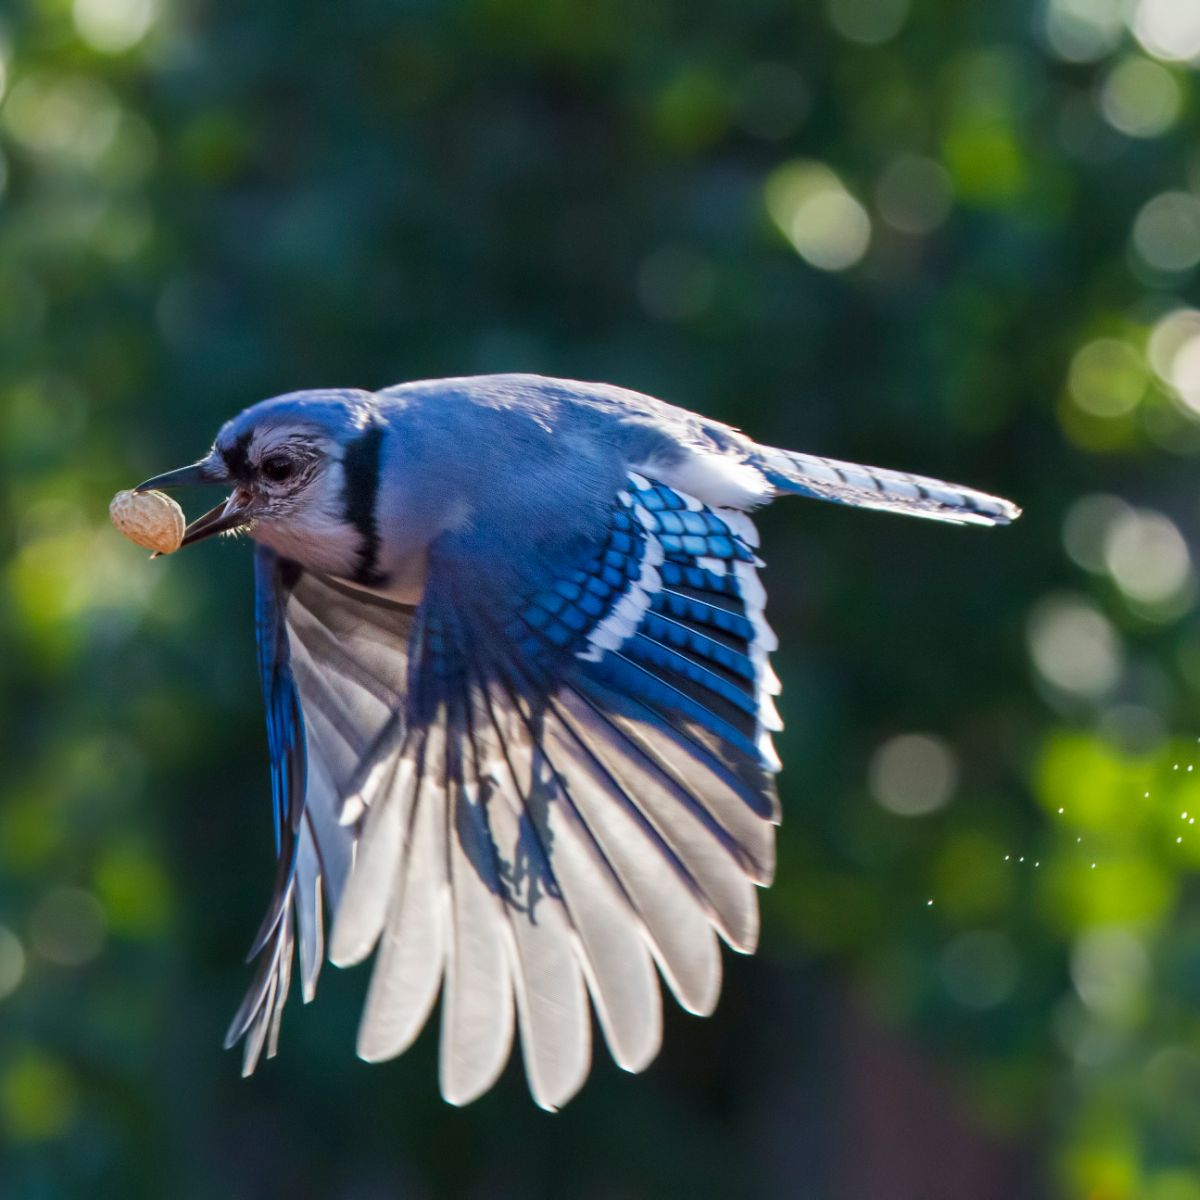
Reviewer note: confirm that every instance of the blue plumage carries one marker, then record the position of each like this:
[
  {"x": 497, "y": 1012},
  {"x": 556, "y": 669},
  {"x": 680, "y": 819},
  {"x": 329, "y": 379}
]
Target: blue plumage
[{"x": 514, "y": 659}]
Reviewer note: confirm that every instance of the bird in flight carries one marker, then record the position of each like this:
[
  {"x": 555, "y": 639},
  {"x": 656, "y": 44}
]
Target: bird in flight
[{"x": 519, "y": 705}]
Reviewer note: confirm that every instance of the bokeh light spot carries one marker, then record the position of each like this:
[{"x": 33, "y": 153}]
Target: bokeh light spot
[
  {"x": 135, "y": 891},
  {"x": 868, "y": 22},
  {"x": 67, "y": 927},
  {"x": 1140, "y": 98},
  {"x": 12, "y": 962},
  {"x": 913, "y": 774},
  {"x": 1174, "y": 354},
  {"x": 38, "y": 1097},
  {"x": 1168, "y": 29},
  {"x": 1166, "y": 232},
  {"x": 827, "y": 226},
  {"x": 1108, "y": 969},
  {"x": 1074, "y": 646},
  {"x": 1082, "y": 30},
  {"x": 1147, "y": 557},
  {"x": 114, "y": 26},
  {"x": 914, "y": 194},
  {"x": 70, "y": 118},
  {"x": 1086, "y": 529},
  {"x": 1108, "y": 378}
]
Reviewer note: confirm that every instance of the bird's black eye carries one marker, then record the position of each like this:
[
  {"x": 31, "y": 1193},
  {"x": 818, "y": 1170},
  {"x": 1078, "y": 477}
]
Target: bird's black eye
[{"x": 277, "y": 467}]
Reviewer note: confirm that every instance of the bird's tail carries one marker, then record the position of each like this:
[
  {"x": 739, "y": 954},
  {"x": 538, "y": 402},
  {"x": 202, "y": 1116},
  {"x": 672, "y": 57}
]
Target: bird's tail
[{"x": 875, "y": 487}]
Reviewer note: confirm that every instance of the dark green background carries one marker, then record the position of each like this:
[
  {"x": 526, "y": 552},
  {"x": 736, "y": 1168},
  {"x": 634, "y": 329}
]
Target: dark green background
[{"x": 251, "y": 198}]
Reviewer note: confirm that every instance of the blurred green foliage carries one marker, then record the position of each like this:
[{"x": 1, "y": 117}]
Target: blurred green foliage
[{"x": 953, "y": 238}]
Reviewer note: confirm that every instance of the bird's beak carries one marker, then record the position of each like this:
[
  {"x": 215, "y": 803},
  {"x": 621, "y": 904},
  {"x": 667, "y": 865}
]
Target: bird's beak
[
  {"x": 198, "y": 472},
  {"x": 231, "y": 513}
]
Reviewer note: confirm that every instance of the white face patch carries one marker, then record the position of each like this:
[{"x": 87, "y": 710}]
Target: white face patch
[{"x": 310, "y": 527}]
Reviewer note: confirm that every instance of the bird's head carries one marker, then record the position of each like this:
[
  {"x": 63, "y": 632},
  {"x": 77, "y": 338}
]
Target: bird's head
[{"x": 299, "y": 468}]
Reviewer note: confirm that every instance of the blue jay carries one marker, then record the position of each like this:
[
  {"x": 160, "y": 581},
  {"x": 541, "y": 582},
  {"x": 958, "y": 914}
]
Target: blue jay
[{"x": 519, "y": 705}]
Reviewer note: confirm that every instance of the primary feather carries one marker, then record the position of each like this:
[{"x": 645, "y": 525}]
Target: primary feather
[{"x": 519, "y": 704}]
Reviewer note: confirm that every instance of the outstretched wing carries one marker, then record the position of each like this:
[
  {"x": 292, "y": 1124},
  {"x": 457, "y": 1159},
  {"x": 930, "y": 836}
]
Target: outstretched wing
[
  {"x": 333, "y": 665},
  {"x": 577, "y": 789}
]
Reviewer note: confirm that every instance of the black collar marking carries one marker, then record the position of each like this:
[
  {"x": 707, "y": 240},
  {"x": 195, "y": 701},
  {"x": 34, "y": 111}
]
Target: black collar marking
[
  {"x": 361, "y": 465},
  {"x": 237, "y": 460}
]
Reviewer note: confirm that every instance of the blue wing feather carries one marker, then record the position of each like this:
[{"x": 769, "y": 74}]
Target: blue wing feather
[
  {"x": 257, "y": 1019},
  {"x": 691, "y": 645},
  {"x": 658, "y": 628},
  {"x": 285, "y": 721}
]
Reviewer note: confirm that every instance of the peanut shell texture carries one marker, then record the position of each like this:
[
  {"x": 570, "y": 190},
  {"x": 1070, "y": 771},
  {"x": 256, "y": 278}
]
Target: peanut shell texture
[{"x": 151, "y": 519}]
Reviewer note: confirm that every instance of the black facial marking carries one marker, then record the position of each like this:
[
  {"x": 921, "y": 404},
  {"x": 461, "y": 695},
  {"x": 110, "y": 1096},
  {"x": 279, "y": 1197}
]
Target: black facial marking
[
  {"x": 237, "y": 457},
  {"x": 361, "y": 464}
]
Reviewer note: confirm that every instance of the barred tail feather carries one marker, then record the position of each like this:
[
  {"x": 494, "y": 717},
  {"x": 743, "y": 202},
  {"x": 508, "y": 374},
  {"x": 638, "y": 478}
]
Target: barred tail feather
[{"x": 790, "y": 472}]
